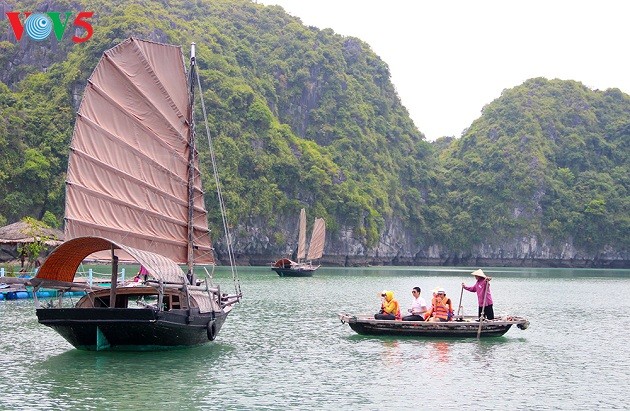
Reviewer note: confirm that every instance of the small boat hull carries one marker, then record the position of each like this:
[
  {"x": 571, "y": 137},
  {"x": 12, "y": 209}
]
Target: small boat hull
[
  {"x": 466, "y": 328},
  {"x": 289, "y": 272},
  {"x": 287, "y": 268},
  {"x": 98, "y": 329}
]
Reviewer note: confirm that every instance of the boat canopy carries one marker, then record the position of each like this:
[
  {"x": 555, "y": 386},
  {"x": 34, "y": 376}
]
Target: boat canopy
[
  {"x": 62, "y": 263},
  {"x": 284, "y": 263}
]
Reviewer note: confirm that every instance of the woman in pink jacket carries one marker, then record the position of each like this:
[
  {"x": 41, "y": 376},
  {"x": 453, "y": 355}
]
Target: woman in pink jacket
[{"x": 484, "y": 296}]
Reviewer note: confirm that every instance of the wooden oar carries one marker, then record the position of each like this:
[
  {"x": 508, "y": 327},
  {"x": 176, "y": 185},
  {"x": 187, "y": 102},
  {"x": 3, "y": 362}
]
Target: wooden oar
[
  {"x": 483, "y": 308},
  {"x": 460, "y": 300}
]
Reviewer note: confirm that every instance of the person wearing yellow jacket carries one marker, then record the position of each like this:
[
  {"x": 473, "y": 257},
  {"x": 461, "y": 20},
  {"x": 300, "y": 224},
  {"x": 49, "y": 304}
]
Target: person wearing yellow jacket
[{"x": 390, "y": 309}]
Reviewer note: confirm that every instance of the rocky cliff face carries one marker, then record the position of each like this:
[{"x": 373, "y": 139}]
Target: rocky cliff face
[{"x": 253, "y": 246}]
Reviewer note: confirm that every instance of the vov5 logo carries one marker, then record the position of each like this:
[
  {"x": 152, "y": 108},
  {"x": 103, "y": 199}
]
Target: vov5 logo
[{"x": 38, "y": 26}]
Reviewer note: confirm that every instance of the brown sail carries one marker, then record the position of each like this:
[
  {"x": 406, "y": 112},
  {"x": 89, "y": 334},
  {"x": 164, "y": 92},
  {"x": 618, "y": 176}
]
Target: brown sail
[
  {"x": 128, "y": 165},
  {"x": 316, "y": 247},
  {"x": 301, "y": 253},
  {"x": 303, "y": 267}
]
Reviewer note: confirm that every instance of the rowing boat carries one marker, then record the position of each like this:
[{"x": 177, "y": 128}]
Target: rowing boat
[{"x": 462, "y": 327}]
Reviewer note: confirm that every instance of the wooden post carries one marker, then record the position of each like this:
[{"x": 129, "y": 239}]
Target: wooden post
[
  {"x": 114, "y": 280},
  {"x": 460, "y": 300},
  {"x": 190, "y": 275}
]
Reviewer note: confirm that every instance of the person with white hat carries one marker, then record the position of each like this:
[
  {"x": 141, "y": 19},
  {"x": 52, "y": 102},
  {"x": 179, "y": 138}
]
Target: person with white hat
[
  {"x": 484, "y": 296},
  {"x": 441, "y": 307}
]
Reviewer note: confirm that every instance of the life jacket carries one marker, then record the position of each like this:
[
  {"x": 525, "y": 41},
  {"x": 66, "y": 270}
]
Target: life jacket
[{"x": 440, "y": 309}]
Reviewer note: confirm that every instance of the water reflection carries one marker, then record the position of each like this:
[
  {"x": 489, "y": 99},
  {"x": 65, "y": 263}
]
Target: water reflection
[
  {"x": 127, "y": 379},
  {"x": 439, "y": 351},
  {"x": 391, "y": 352}
]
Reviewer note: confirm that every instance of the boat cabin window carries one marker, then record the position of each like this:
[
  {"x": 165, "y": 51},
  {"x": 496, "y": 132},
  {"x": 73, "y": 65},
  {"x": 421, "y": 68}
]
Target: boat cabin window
[
  {"x": 122, "y": 301},
  {"x": 169, "y": 301}
]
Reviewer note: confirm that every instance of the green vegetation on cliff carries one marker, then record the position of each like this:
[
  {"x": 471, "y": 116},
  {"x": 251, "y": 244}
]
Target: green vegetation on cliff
[
  {"x": 546, "y": 158},
  {"x": 306, "y": 117}
]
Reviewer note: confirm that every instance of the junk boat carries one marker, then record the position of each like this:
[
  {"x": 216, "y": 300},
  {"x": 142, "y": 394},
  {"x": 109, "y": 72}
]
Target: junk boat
[{"x": 133, "y": 194}]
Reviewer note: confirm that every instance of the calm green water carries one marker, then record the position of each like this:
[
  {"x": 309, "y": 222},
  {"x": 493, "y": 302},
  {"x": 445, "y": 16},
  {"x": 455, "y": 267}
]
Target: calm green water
[{"x": 284, "y": 347}]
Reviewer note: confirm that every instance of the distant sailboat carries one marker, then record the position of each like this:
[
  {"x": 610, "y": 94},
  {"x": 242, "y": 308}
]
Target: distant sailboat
[
  {"x": 134, "y": 193},
  {"x": 304, "y": 266}
]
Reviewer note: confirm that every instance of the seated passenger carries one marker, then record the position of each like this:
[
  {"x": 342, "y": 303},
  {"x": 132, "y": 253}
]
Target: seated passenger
[
  {"x": 390, "y": 308},
  {"x": 441, "y": 307},
  {"x": 418, "y": 306},
  {"x": 382, "y": 294}
]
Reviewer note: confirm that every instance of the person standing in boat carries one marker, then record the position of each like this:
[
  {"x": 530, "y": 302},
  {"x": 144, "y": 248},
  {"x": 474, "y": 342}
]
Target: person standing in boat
[
  {"x": 390, "y": 308},
  {"x": 142, "y": 275},
  {"x": 418, "y": 306},
  {"x": 441, "y": 307},
  {"x": 484, "y": 296}
]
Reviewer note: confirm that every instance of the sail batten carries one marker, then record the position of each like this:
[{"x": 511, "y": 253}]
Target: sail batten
[
  {"x": 87, "y": 162},
  {"x": 91, "y": 193},
  {"x": 128, "y": 166},
  {"x": 180, "y": 111},
  {"x": 113, "y": 117},
  {"x": 165, "y": 96},
  {"x": 132, "y": 64}
]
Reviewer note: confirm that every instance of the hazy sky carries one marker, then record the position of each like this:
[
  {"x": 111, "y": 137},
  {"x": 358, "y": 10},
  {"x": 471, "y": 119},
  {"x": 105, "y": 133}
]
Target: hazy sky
[{"x": 449, "y": 58}]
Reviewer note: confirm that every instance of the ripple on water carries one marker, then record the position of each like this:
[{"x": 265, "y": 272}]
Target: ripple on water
[{"x": 283, "y": 347}]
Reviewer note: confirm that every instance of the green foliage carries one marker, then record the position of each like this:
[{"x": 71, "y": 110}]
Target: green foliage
[
  {"x": 50, "y": 220},
  {"x": 546, "y": 158},
  {"x": 302, "y": 117},
  {"x": 31, "y": 251}
]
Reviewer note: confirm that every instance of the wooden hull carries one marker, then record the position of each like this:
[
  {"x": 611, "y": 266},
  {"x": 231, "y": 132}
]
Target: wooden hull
[
  {"x": 99, "y": 329},
  {"x": 468, "y": 328},
  {"x": 290, "y": 272},
  {"x": 287, "y": 268}
]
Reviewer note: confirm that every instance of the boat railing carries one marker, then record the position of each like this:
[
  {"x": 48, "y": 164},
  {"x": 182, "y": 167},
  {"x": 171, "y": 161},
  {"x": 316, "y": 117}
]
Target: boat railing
[
  {"x": 223, "y": 298},
  {"x": 62, "y": 285}
]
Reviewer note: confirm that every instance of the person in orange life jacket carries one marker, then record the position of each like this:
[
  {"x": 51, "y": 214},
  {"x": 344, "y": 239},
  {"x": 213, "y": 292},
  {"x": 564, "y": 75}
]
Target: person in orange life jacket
[
  {"x": 418, "y": 306},
  {"x": 391, "y": 308},
  {"x": 441, "y": 307},
  {"x": 484, "y": 298}
]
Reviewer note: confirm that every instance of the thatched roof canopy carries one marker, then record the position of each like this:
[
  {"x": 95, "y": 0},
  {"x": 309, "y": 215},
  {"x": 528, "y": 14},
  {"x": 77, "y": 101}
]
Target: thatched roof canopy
[{"x": 23, "y": 233}]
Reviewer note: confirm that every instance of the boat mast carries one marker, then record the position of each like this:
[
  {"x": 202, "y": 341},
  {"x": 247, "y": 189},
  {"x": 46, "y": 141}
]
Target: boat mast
[{"x": 191, "y": 163}]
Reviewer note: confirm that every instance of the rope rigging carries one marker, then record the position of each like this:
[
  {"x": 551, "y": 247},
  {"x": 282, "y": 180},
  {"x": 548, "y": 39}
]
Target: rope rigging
[{"x": 226, "y": 228}]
